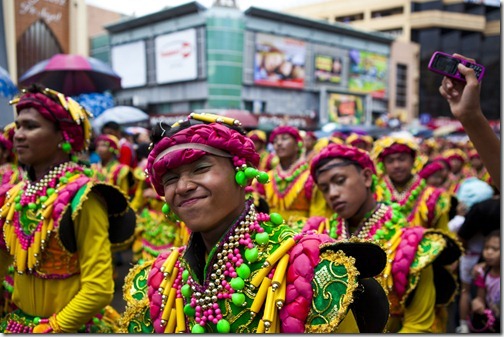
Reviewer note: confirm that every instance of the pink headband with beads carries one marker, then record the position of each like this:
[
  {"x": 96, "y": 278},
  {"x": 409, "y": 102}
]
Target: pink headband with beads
[
  {"x": 334, "y": 151},
  {"x": 198, "y": 140},
  {"x": 396, "y": 148},
  {"x": 54, "y": 112},
  {"x": 430, "y": 169},
  {"x": 290, "y": 130},
  {"x": 112, "y": 141}
]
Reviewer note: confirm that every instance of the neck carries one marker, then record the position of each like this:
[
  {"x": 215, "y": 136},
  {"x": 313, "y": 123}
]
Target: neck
[
  {"x": 400, "y": 185},
  {"x": 495, "y": 270},
  {"x": 107, "y": 161},
  {"x": 211, "y": 238},
  {"x": 287, "y": 162},
  {"x": 40, "y": 170},
  {"x": 368, "y": 206}
]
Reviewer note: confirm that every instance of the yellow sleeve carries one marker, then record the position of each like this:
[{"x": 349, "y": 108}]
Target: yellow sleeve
[
  {"x": 419, "y": 315},
  {"x": 95, "y": 259},
  {"x": 318, "y": 205},
  {"x": 138, "y": 200}
]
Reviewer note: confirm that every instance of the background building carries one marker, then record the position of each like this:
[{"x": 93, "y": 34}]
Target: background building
[
  {"x": 191, "y": 57},
  {"x": 471, "y": 28}
]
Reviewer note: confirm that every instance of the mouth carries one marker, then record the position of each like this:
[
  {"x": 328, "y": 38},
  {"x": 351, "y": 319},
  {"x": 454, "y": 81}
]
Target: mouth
[
  {"x": 338, "y": 206},
  {"x": 189, "y": 202}
]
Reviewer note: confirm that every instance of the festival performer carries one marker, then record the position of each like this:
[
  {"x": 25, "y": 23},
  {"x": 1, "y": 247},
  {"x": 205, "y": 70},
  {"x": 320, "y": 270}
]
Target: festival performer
[
  {"x": 478, "y": 168},
  {"x": 10, "y": 172},
  {"x": 416, "y": 256},
  {"x": 242, "y": 271},
  {"x": 267, "y": 160},
  {"x": 363, "y": 142},
  {"x": 422, "y": 205},
  {"x": 458, "y": 166},
  {"x": 291, "y": 192},
  {"x": 309, "y": 141},
  {"x": 109, "y": 169},
  {"x": 59, "y": 226}
]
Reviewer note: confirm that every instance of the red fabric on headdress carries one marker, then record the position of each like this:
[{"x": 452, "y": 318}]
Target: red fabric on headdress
[
  {"x": 311, "y": 134},
  {"x": 55, "y": 113},
  {"x": 430, "y": 169},
  {"x": 112, "y": 141},
  {"x": 396, "y": 148},
  {"x": 473, "y": 154},
  {"x": 214, "y": 135},
  {"x": 290, "y": 130},
  {"x": 344, "y": 152},
  {"x": 444, "y": 160}
]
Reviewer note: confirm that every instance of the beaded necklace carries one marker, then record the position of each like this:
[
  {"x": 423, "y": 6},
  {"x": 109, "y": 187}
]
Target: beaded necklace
[
  {"x": 407, "y": 198},
  {"x": 228, "y": 273},
  {"x": 378, "y": 224},
  {"x": 27, "y": 213},
  {"x": 284, "y": 178}
]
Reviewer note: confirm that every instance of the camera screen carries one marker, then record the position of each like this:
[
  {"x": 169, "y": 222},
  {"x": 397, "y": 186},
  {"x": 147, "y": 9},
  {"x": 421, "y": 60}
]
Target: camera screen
[{"x": 446, "y": 64}]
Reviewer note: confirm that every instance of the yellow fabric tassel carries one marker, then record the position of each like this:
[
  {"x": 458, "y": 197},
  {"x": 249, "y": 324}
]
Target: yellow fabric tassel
[
  {"x": 280, "y": 252},
  {"x": 170, "y": 261},
  {"x": 169, "y": 286},
  {"x": 170, "y": 327},
  {"x": 260, "y": 296},
  {"x": 169, "y": 304},
  {"x": 269, "y": 309},
  {"x": 280, "y": 270},
  {"x": 280, "y": 294},
  {"x": 260, "y": 276},
  {"x": 179, "y": 304},
  {"x": 260, "y": 327},
  {"x": 21, "y": 256}
]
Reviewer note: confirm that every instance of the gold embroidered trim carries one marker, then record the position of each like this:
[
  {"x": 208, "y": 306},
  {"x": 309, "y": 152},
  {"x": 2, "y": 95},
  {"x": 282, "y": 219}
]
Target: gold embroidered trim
[{"x": 129, "y": 279}]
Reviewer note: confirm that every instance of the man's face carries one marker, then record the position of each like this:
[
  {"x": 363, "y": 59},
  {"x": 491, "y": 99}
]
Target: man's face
[{"x": 398, "y": 167}]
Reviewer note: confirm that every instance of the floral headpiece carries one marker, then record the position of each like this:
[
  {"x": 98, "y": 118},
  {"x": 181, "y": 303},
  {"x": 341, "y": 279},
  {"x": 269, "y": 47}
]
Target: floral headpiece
[
  {"x": 200, "y": 134},
  {"x": 290, "y": 130},
  {"x": 473, "y": 154},
  {"x": 430, "y": 169},
  {"x": 455, "y": 154},
  {"x": 389, "y": 145},
  {"x": 354, "y": 138},
  {"x": 111, "y": 140},
  {"x": 257, "y": 135},
  {"x": 70, "y": 117},
  {"x": 322, "y": 143},
  {"x": 431, "y": 143}
]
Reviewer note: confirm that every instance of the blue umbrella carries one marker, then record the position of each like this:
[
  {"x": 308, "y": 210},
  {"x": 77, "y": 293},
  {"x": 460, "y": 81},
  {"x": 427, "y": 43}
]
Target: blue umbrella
[{"x": 7, "y": 88}]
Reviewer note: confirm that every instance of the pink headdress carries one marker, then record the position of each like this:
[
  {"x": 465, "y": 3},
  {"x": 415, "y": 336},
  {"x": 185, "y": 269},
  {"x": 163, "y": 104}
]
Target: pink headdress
[
  {"x": 71, "y": 118},
  {"x": 290, "y": 130},
  {"x": 455, "y": 154},
  {"x": 111, "y": 140},
  {"x": 188, "y": 141},
  {"x": 430, "y": 169},
  {"x": 333, "y": 151},
  {"x": 311, "y": 134}
]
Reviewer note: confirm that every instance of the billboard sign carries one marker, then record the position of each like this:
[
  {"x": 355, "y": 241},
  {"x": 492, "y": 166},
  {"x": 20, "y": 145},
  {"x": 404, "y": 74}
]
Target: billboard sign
[
  {"x": 345, "y": 109},
  {"x": 368, "y": 73},
  {"x": 328, "y": 68},
  {"x": 133, "y": 74},
  {"x": 279, "y": 61},
  {"x": 176, "y": 58}
]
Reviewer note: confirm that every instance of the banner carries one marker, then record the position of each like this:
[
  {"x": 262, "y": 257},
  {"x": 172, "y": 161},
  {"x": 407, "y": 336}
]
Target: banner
[
  {"x": 368, "y": 73},
  {"x": 345, "y": 109},
  {"x": 279, "y": 61},
  {"x": 176, "y": 57},
  {"x": 328, "y": 68},
  {"x": 133, "y": 74}
]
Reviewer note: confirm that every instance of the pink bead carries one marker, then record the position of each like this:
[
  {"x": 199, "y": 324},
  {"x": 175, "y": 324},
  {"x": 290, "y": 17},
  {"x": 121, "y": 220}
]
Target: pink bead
[
  {"x": 236, "y": 251},
  {"x": 216, "y": 307},
  {"x": 215, "y": 321},
  {"x": 198, "y": 309},
  {"x": 233, "y": 275},
  {"x": 218, "y": 311}
]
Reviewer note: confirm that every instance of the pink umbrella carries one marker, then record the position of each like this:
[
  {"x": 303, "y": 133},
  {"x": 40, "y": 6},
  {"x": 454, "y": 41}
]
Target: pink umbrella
[{"x": 72, "y": 75}]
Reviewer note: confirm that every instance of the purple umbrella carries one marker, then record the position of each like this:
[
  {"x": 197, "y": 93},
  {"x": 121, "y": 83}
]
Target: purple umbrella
[{"x": 72, "y": 75}]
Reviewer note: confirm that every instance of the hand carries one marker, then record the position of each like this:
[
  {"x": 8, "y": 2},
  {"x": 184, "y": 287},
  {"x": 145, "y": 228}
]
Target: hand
[
  {"x": 477, "y": 305},
  {"x": 464, "y": 98},
  {"x": 461, "y": 209}
]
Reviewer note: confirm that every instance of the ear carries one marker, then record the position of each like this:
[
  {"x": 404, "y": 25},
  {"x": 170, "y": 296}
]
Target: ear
[{"x": 367, "y": 175}]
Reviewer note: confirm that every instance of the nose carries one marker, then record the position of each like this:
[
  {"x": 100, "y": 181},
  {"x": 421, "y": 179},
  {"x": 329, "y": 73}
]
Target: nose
[
  {"x": 334, "y": 193},
  {"x": 18, "y": 134},
  {"x": 184, "y": 185}
]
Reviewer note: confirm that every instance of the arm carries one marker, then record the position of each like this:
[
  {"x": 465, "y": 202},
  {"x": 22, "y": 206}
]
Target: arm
[
  {"x": 478, "y": 303},
  {"x": 464, "y": 100},
  {"x": 95, "y": 259}
]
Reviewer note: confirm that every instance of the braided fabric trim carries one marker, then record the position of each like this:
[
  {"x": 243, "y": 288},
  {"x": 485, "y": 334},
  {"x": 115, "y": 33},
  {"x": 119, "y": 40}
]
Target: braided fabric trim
[
  {"x": 404, "y": 258},
  {"x": 313, "y": 223},
  {"x": 304, "y": 256}
]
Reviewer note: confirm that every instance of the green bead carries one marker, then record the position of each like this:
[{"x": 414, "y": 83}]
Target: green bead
[
  {"x": 17, "y": 199},
  {"x": 66, "y": 147},
  {"x": 189, "y": 311},
  {"x": 32, "y": 206},
  {"x": 186, "y": 290},
  {"x": 380, "y": 232},
  {"x": 389, "y": 224},
  {"x": 395, "y": 218},
  {"x": 185, "y": 274},
  {"x": 18, "y": 207},
  {"x": 250, "y": 172},
  {"x": 43, "y": 198},
  {"x": 63, "y": 180},
  {"x": 197, "y": 329},
  {"x": 289, "y": 179},
  {"x": 88, "y": 172},
  {"x": 96, "y": 320},
  {"x": 165, "y": 209},
  {"x": 414, "y": 193},
  {"x": 276, "y": 218},
  {"x": 237, "y": 283},
  {"x": 238, "y": 299},
  {"x": 262, "y": 238},
  {"x": 243, "y": 271},
  {"x": 241, "y": 178},
  {"x": 223, "y": 326},
  {"x": 50, "y": 191},
  {"x": 263, "y": 177},
  {"x": 252, "y": 254},
  {"x": 68, "y": 174},
  {"x": 36, "y": 320}
]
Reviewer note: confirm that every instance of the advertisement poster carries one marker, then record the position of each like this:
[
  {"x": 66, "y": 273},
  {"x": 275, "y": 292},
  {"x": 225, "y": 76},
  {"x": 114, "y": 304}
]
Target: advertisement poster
[
  {"x": 368, "y": 73},
  {"x": 279, "y": 61},
  {"x": 176, "y": 57},
  {"x": 133, "y": 74},
  {"x": 345, "y": 109},
  {"x": 328, "y": 68}
]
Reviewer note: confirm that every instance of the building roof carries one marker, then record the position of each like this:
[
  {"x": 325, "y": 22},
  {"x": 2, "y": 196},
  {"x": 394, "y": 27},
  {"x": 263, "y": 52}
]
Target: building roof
[
  {"x": 317, "y": 24},
  {"x": 162, "y": 15}
]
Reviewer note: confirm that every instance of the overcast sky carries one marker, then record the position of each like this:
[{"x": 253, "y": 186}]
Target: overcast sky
[{"x": 143, "y": 7}]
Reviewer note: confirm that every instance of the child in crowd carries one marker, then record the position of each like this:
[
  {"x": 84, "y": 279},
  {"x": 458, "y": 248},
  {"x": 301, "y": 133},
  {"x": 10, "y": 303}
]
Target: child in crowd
[{"x": 487, "y": 280}]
